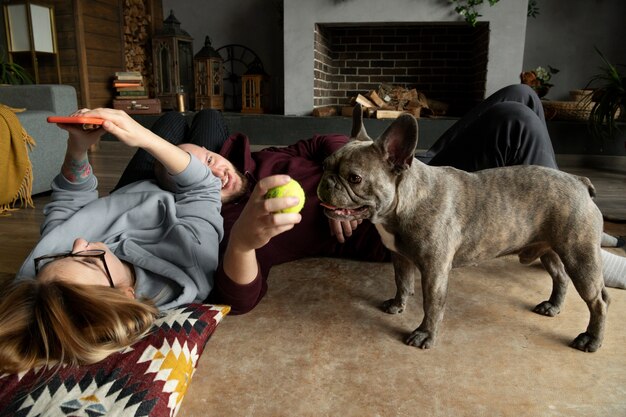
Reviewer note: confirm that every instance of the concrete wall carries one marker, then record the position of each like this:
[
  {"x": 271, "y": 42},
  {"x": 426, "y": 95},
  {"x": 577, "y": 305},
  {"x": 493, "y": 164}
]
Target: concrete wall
[{"x": 564, "y": 34}]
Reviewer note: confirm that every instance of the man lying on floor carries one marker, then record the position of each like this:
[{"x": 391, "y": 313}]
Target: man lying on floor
[{"x": 508, "y": 128}]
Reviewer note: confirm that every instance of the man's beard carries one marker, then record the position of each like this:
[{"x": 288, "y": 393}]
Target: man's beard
[{"x": 240, "y": 192}]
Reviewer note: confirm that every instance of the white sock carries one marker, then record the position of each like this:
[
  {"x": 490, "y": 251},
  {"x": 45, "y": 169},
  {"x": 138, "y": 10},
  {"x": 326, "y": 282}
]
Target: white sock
[
  {"x": 608, "y": 241},
  {"x": 614, "y": 270}
]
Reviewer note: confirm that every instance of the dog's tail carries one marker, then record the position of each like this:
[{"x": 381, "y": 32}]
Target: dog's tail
[{"x": 589, "y": 185}]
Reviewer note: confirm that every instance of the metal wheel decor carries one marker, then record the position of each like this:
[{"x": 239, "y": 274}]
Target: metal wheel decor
[{"x": 237, "y": 59}]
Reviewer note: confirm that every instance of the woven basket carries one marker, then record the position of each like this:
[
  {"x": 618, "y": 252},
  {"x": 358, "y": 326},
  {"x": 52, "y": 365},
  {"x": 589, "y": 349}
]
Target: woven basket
[
  {"x": 567, "y": 110},
  {"x": 579, "y": 95}
]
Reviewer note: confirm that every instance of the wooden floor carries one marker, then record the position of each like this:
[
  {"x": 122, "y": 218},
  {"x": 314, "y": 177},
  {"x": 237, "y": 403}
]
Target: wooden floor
[{"x": 19, "y": 232}]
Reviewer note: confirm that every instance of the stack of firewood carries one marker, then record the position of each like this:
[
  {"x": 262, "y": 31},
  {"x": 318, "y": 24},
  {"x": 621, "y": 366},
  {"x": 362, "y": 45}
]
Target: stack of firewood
[
  {"x": 137, "y": 26},
  {"x": 389, "y": 102}
]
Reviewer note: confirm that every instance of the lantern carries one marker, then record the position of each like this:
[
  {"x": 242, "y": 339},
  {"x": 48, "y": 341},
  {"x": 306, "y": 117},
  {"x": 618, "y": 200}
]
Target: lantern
[
  {"x": 207, "y": 65},
  {"x": 31, "y": 35},
  {"x": 255, "y": 89},
  {"x": 172, "y": 57}
]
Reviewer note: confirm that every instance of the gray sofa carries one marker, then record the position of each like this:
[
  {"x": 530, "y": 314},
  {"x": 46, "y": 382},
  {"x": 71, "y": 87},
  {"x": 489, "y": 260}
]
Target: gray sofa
[{"x": 41, "y": 101}]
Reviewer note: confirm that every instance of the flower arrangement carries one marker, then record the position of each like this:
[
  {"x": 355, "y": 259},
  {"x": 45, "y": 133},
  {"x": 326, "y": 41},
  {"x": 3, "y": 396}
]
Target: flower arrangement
[{"x": 539, "y": 79}]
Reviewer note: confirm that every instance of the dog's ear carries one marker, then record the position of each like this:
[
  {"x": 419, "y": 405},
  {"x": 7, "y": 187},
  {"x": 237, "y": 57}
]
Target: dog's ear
[
  {"x": 398, "y": 142},
  {"x": 358, "y": 130}
]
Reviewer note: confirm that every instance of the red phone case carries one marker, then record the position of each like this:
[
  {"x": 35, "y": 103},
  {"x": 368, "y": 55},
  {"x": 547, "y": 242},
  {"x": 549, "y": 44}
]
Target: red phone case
[{"x": 75, "y": 119}]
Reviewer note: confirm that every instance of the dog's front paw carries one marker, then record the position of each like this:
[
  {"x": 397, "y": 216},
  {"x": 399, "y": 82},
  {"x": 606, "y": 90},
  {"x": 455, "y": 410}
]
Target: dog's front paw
[
  {"x": 392, "y": 306},
  {"x": 421, "y": 339},
  {"x": 547, "y": 309},
  {"x": 586, "y": 343}
]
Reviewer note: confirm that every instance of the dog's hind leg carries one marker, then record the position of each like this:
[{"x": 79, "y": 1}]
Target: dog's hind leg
[
  {"x": 585, "y": 270},
  {"x": 591, "y": 340},
  {"x": 560, "y": 280},
  {"x": 404, "y": 272}
]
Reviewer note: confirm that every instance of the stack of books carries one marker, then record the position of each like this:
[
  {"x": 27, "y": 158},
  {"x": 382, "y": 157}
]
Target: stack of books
[{"x": 129, "y": 85}]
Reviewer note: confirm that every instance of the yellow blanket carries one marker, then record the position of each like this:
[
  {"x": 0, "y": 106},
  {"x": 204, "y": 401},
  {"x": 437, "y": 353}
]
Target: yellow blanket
[{"x": 16, "y": 171}]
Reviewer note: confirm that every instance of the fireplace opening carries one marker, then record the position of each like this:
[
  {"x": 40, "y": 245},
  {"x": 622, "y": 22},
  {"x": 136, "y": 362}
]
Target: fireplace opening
[{"x": 445, "y": 61}]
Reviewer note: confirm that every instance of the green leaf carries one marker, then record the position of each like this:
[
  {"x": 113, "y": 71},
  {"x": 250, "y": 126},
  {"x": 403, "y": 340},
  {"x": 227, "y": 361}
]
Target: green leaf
[
  {"x": 11, "y": 72},
  {"x": 466, "y": 9},
  {"x": 609, "y": 95}
]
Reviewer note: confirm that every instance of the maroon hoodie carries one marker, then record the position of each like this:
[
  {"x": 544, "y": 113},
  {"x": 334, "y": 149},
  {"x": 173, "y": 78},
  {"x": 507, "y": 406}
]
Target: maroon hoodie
[{"x": 302, "y": 161}]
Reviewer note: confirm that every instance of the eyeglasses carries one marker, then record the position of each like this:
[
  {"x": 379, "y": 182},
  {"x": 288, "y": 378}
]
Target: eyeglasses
[{"x": 41, "y": 261}]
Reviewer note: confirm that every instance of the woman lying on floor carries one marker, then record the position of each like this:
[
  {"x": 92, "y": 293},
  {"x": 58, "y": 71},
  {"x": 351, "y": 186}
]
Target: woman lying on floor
[{"x": 104, "y": 267}]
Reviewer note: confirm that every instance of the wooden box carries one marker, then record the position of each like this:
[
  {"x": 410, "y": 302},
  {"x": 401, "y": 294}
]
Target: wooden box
[{"x": 138, "y": 106}]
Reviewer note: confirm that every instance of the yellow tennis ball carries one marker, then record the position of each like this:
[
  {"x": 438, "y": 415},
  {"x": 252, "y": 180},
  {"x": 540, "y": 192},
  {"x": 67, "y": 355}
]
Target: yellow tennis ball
[{"x": 291, "y": 189}]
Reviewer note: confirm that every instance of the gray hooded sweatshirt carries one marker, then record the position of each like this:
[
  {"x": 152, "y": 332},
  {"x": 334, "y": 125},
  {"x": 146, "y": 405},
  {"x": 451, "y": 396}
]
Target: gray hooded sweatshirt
[{"x": 171, "y": 238}]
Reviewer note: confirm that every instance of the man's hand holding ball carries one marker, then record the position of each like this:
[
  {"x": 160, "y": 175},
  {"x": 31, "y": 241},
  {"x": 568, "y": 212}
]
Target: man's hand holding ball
[{"x": 291, "y": 189}]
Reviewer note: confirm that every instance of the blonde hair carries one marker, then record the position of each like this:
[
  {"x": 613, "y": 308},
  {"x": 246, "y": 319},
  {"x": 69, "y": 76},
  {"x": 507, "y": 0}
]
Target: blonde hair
[{"x": 49, "y": 323}]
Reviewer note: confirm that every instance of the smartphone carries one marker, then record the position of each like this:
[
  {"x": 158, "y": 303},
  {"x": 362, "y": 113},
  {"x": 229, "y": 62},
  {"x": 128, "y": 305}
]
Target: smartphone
[{"x": 89, "y": 123}]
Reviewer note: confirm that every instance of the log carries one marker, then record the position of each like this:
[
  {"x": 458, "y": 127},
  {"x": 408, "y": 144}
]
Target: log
[
  {"x": 375, "y": 98},
  {"x": 415, "y": 111},
  {"x": 388, "y": 114},
  {"x": 326, "y": 111},
  {"x": 364, "y": 101},
  {"x": 439, "y": 108},
  {"x": 346, "y": 111}
]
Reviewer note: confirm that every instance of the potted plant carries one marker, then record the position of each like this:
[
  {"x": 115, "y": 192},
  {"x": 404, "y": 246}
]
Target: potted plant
[
  {"x": 11, "y": 72},
  {"x": 609, "y": 99},
  {"x": 467, "y": 9},
  {"x": 539, "y": 79}
]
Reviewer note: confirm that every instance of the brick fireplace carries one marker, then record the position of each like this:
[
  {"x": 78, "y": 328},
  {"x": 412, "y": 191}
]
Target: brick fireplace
[
  {"x": 445, "y": 61},
  {"x": 354, "y": 45}
]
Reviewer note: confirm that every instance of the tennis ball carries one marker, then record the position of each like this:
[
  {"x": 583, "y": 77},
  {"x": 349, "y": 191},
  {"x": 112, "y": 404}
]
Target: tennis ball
[{"x": 291, "y": 189}]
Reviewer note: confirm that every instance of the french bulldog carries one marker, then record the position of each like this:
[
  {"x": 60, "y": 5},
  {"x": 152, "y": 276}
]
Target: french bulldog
[{"x": 433, "y": 219}]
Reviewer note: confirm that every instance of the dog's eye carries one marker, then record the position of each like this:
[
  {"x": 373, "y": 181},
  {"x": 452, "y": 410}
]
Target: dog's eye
[{"x": 354, "y": 178}]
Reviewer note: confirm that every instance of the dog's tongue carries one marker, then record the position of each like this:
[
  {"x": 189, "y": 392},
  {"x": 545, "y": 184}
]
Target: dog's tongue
[{"x": 342, "y": 211}]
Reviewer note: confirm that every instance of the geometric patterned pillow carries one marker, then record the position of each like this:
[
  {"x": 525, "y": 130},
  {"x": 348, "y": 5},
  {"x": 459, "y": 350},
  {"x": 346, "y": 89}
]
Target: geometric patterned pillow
[{"x": 149, "y": 378}]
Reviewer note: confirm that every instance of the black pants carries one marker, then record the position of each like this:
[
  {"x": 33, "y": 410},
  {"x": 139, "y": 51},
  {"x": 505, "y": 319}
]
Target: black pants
[
  {"x": 207, "y": 129},
  {"x": 507, "y": 128}
]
